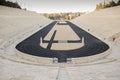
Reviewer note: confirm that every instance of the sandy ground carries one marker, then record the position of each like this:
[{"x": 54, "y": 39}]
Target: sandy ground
[
  {"x": 66, "y": 46},
  {"x": 105, "y": 69},
  {"x": 63, "y": 33}
]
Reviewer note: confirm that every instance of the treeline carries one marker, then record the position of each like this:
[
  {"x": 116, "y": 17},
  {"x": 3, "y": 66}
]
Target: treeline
[
  {"x": 65, "y": 16},
  {"x": 109, "y": 4},
  {"x": 9, "y": 4}
]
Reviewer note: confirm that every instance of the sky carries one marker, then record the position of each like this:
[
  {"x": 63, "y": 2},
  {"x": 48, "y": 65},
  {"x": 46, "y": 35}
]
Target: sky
[{"x": 59, "y": 6}]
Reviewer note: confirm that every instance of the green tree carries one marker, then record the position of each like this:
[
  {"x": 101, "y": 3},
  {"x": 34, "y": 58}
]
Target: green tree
[
  {"x": 9, "y": 4},
  {"x": 118, "y": 3},
  {"x": 112, "y": 3},
  {"x": 2, "y": 2}
]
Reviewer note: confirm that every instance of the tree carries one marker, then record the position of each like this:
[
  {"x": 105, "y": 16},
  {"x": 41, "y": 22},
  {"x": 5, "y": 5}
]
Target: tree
[
  {"x": 118, "y": 3},
  {"x": 112, "y": 3},
  {"x": 2, "y": 2},
  {"x": 100, "y": 6},
  {"x": 9, "y": 4}
]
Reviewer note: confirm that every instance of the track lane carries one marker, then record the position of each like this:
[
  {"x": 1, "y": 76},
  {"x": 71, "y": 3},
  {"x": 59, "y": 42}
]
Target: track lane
[{"x": 92, "y": 45}]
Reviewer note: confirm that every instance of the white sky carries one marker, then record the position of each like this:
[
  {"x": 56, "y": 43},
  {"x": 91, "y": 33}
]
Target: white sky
[{"x": 57, "y": 6}]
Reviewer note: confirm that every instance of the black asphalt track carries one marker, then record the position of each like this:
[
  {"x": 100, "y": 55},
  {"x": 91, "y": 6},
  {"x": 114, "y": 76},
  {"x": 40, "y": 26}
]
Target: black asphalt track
[{"x": 92, "y": 46}]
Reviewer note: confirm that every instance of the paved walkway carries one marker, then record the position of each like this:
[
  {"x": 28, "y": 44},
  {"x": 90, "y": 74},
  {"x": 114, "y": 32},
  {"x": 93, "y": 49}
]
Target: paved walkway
[{"x": 62, "y": 74}]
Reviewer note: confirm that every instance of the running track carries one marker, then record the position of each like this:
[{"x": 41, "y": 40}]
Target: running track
[{"x": 92, "y": 46}]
